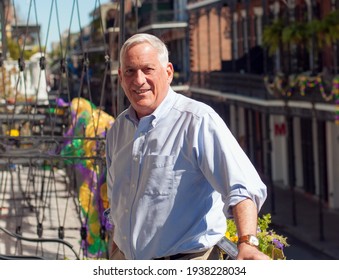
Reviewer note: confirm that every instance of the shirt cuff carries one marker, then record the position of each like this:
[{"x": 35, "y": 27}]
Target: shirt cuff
[{"x": 238, "y": 194}]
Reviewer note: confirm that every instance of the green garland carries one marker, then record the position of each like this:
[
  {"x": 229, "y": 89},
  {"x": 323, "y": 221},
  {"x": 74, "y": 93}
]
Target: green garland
[{"x": 282, "y": 87}]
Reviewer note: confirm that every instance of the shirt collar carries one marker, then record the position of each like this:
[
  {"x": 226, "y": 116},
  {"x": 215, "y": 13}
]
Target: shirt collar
[
  {"x": 131, "y": 115},
  {"x": 160, "y": 112},
  {"x": 165, "y": 106}
]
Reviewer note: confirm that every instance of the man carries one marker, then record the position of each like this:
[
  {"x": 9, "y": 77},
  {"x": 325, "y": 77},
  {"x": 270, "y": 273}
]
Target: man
[{"x": 174, "y": 169}]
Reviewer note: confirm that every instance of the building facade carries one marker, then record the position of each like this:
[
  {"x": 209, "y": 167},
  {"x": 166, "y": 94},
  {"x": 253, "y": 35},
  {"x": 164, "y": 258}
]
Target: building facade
[
  {"x": 275, "y": 85},
  {"x": 168, "y": 20}
]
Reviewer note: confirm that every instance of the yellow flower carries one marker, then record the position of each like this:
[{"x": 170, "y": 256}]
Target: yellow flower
[
  {"x": 271, "y": 243},
  {"x": 13, "y": 133},
  {"x": 234, "y": 239}
]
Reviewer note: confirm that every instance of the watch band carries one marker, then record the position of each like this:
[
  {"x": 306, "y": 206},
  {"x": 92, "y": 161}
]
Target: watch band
[{"x": 249, "y": 239}]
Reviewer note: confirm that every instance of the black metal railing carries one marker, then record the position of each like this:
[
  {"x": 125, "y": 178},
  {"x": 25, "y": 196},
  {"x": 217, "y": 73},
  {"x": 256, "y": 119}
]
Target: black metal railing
[
  {"x": 251, "y": 85},
  {"x": 152, "y": 17},
  {"x": 235, "y": 83}
]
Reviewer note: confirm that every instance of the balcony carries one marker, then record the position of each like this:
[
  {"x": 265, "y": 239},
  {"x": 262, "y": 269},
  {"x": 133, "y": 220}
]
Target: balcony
[
  {"x": 162, "y": 19},
  {"x": 236, "y": 83},
  {"x": 254, "y": 91}
]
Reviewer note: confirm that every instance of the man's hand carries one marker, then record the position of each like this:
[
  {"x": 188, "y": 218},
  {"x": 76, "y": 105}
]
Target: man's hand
[
  {"x": 248, "y": 252},
  {"x": 245, "y": 217}
]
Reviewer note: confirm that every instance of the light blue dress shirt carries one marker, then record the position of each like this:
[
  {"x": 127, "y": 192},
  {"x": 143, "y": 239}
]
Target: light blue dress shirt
[{"x": 172, "y": 178}]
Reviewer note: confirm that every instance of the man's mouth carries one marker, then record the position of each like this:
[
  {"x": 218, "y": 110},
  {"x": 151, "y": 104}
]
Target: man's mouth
[{"x": 141, "y": 91}]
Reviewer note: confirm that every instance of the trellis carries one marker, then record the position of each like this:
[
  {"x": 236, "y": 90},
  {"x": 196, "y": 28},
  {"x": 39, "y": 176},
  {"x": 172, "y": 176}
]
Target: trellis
[{"x": 52, "y": 164}]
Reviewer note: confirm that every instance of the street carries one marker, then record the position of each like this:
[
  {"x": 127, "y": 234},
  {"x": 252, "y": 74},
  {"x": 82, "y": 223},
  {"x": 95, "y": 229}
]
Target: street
[{"x": 299, "y": 250}]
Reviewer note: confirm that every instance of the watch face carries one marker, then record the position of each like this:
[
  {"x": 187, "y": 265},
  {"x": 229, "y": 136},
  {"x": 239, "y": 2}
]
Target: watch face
[{"x": 253, "y": 240}]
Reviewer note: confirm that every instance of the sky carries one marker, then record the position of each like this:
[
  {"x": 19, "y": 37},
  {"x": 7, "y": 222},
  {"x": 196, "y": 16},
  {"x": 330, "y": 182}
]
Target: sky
[{"x": 62, "y": 8}]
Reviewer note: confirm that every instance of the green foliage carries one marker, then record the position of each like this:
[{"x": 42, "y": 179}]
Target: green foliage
[
  {"x": 15, "y": 50},
  {"x": 270, "y": 243},
  {"x": 296, "y": 33},
  {"x": 327, "y": 30},
  {"x": 272, "y": 35},
  {"x": 324, "y": 32}
]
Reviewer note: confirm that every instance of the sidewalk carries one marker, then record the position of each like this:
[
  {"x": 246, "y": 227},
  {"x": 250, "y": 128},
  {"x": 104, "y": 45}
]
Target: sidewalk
[
  {"x": 304, "y": 222},
  {"x": 22, "y": 210}
]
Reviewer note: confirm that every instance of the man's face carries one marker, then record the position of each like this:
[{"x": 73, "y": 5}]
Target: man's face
[{"x": 144, "y": 80}]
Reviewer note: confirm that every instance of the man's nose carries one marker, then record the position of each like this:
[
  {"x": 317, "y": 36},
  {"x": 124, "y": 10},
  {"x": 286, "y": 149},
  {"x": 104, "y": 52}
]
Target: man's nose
[{"x": 140, "y": 77}]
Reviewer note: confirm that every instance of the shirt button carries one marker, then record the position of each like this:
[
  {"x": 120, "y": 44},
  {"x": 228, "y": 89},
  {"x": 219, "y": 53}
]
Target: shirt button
[
  {"x": 126, "y": 210},
  {"x": 133, "y": 186},
  {"x": 124, "y": 237}
]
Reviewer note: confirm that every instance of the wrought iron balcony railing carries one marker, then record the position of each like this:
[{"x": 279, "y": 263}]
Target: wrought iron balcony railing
[{"x": 165, "y": 16}]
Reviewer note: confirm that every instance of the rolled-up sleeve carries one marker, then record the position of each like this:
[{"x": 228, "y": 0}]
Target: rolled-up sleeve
[{"x": 226, "y": 166}]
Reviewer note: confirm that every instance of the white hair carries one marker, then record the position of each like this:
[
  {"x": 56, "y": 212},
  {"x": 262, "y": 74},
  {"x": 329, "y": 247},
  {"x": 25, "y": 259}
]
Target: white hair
[{"x": 154, "y": 41}]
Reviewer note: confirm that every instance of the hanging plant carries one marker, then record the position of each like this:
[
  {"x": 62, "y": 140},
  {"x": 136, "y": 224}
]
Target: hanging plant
[
  {"x": 272, "y": 36},
  {"x": 296, "y": 33},
  {"x": 327, "y": 30}
]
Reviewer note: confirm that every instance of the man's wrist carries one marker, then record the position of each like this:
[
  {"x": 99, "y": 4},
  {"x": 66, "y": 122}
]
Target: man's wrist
[{"x": 249, "y": 239}]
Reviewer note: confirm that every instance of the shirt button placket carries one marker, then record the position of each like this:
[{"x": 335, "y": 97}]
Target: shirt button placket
[
  {"x": 136, "y": 160},
  {"x": 133, "y": 189}
]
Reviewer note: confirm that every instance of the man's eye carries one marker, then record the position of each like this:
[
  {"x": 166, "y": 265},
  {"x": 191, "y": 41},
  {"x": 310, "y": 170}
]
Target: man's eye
[
  {"x": 148, "y": 70},
  {"x": 129, "y": 71}
]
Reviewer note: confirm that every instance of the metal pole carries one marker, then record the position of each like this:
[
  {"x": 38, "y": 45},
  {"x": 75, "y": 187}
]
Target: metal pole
[
  {"x": 120, "y": 98},
  {"x": 293, "y": 47},
  {"x": 291, "y": 164},
  {"x": 291, "y": 160},
  {"x": 269, "y": 162},
  {"x": 321, "y": 151},
  {"x": 336, "y": 44},
  {"x": 248, "y": 35},
  {"x": 3, "y": 29},
  {"x": 219, "y": 11},
  {"x": 208, "y": 11},
  {"x": 264, "y": 23},
  {"x": 122, "y": 23},
  {"x": 136, "y": 15},
  {"x": 233, "y": 40}
]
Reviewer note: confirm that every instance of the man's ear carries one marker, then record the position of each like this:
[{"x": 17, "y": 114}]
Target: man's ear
[{"x": 170, "y": 72}]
